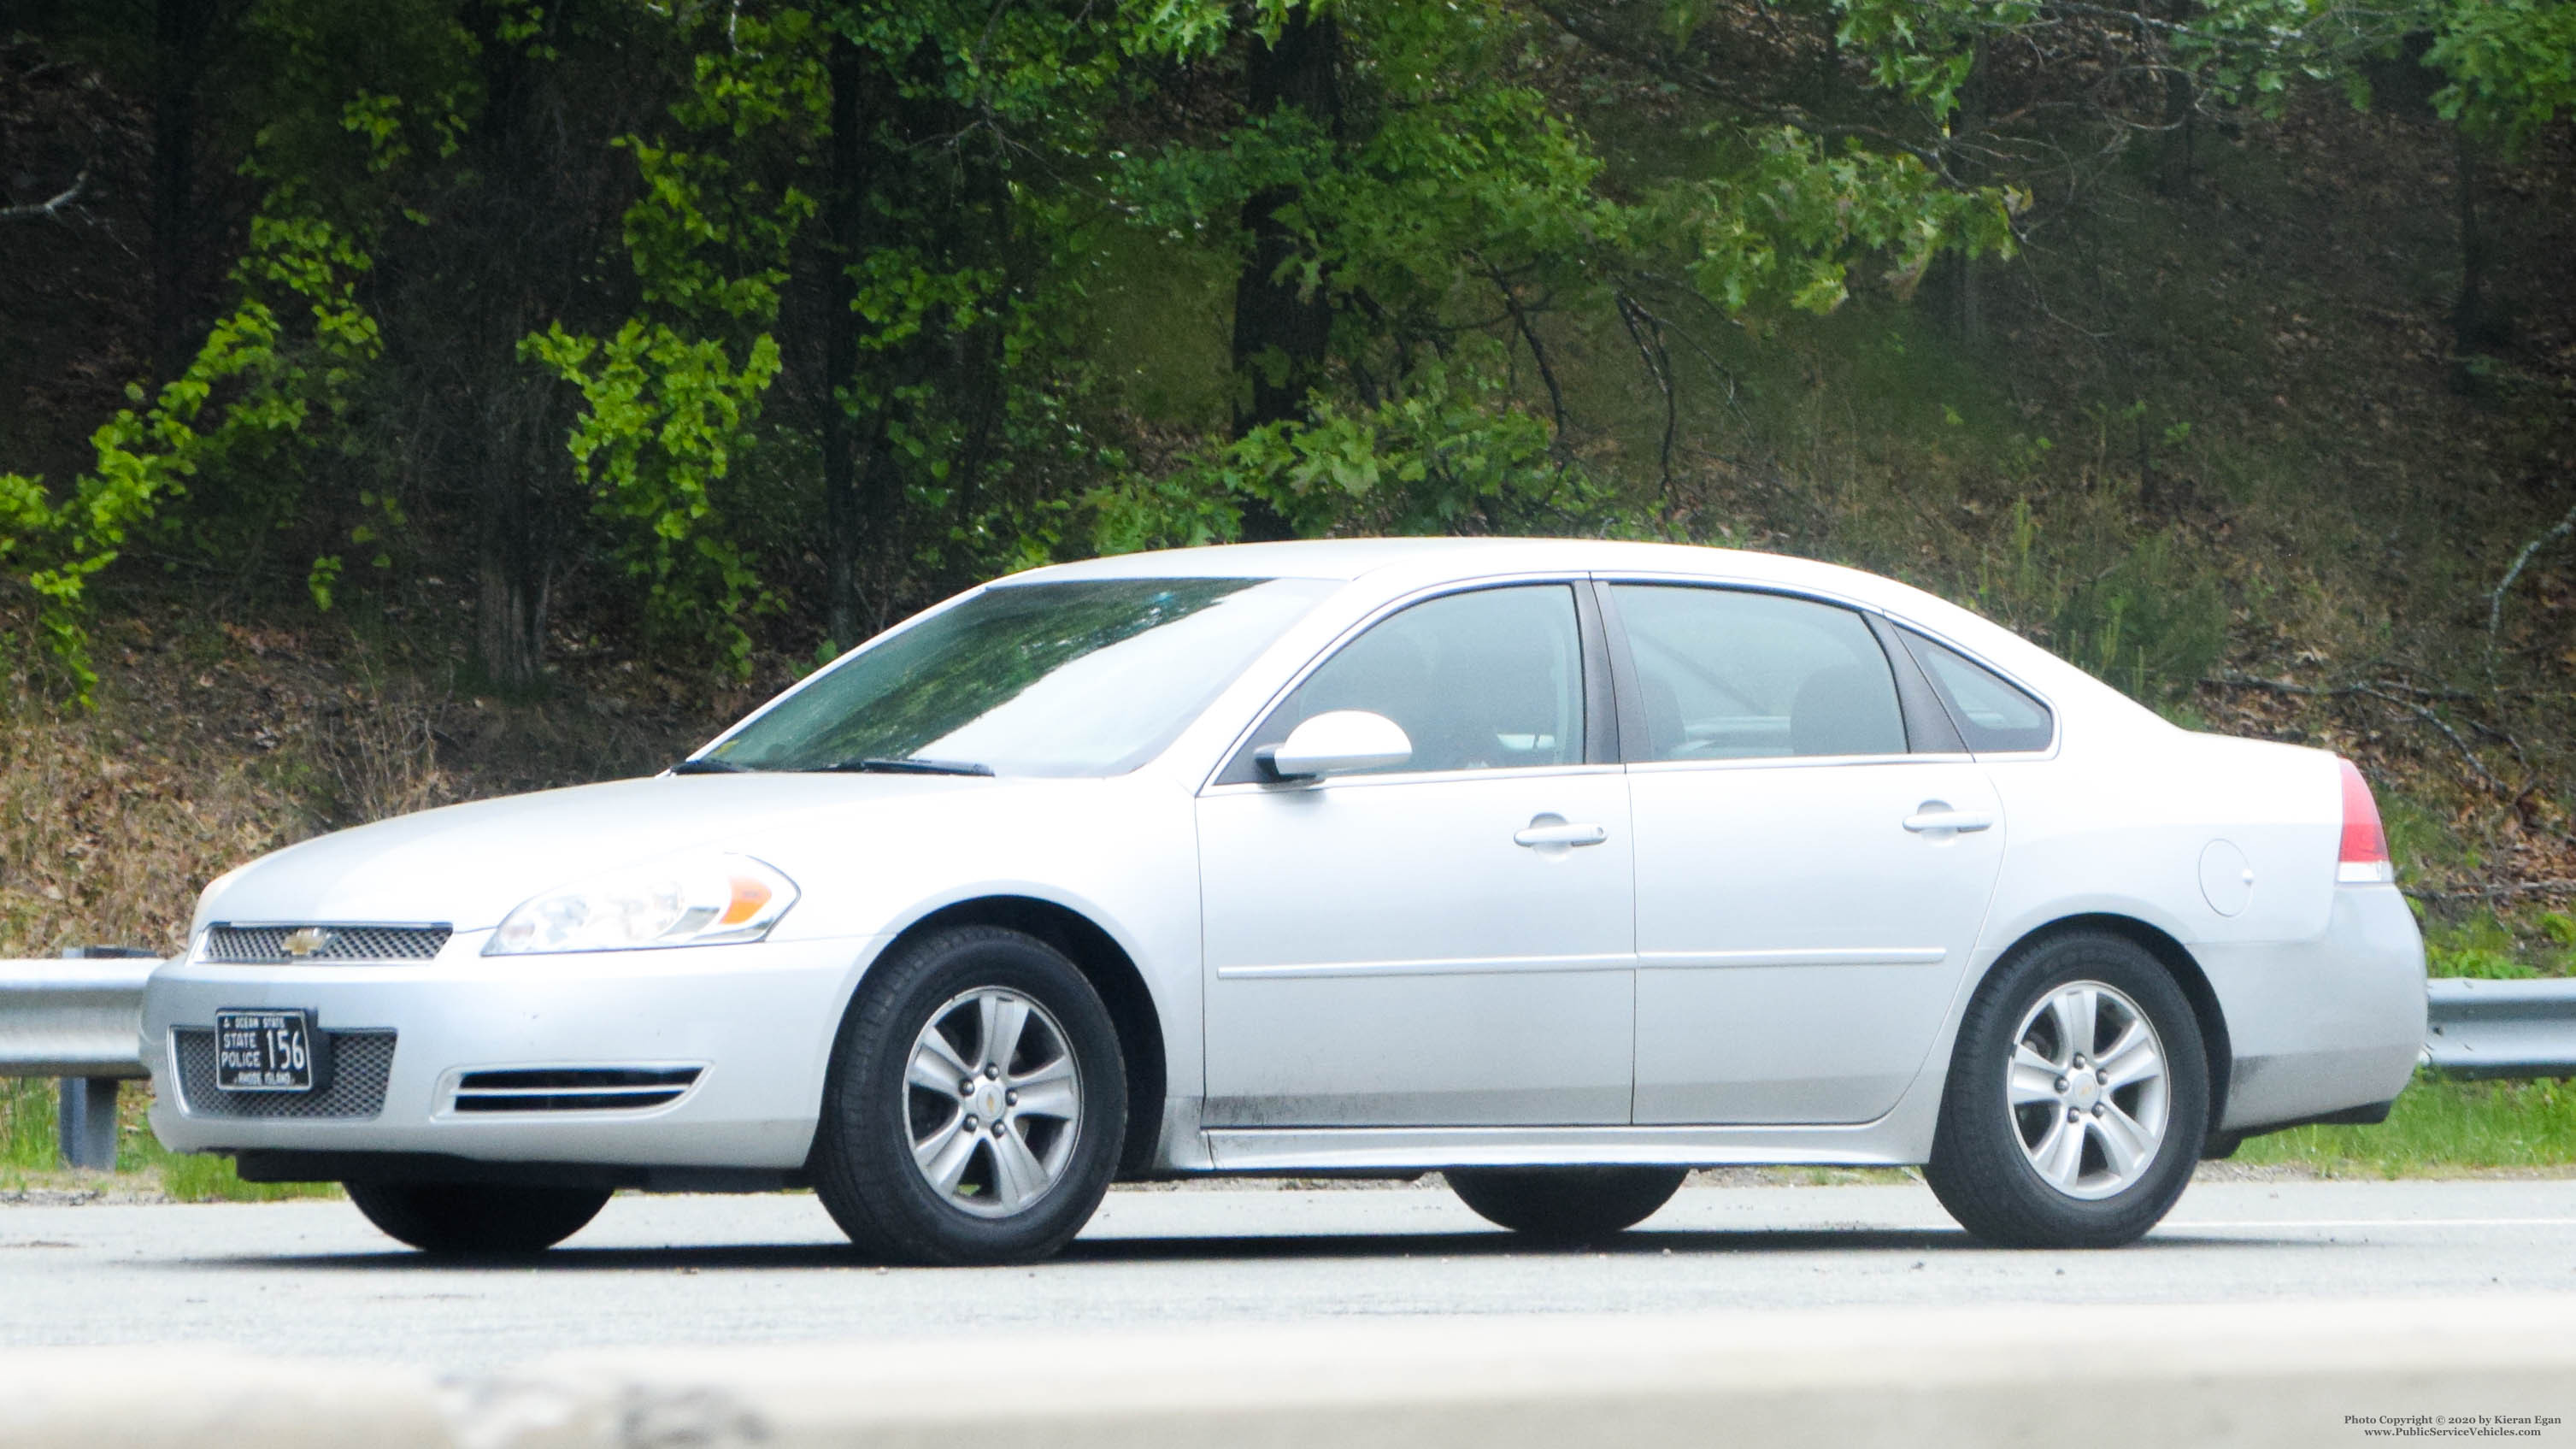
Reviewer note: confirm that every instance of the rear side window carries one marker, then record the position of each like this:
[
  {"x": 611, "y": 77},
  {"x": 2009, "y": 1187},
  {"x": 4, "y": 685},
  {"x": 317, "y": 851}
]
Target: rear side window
[
  {"x": 1994, "y": 716},
  {"x": 1727, "y": 675}
]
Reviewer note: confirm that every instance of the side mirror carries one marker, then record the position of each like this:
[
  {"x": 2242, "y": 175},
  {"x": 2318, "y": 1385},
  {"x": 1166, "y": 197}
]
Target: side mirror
[{"x": 1336, "y": 743}]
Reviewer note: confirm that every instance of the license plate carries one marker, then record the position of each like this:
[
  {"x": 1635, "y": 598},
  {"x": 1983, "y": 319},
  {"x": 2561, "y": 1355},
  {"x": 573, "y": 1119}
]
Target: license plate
[{"x": 264, "y": 1051}]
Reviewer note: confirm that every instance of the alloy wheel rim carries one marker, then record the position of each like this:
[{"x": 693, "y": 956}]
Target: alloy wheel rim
[
  {"x": 2087, "y": 1094},
  {"x": 993, "y": 1102}
]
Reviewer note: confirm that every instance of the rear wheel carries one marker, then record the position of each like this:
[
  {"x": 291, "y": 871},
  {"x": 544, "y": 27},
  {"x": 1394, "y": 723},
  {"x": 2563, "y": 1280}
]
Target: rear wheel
[
  {"x": 2077, "y": 1101},
  {"x": 976, "y": 1103},
  {"x": 457, "y": 1217},
  {"x": 1566, "y": 1204}
]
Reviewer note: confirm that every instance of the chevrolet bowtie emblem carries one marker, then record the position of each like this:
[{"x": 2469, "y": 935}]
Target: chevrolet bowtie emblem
[{"x": 304, "y": 941}]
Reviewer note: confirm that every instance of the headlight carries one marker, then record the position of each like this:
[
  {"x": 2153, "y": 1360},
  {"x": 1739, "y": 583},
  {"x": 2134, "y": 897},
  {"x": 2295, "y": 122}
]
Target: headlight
[{"x": 687, "y": 900}]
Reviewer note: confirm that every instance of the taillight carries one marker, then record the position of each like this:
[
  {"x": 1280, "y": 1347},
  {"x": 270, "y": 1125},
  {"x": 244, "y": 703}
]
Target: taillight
[{"x": 2364, "y": 858}]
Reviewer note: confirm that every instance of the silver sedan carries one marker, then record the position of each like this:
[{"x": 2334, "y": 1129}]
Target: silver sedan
[{"x": 1559, "y": 867}]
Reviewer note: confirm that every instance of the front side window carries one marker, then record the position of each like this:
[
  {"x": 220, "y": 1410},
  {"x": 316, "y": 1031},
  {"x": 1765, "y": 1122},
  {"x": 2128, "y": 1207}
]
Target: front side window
[
  {"x": 1091, "y": 677},
  {"x": 1487, "y": 680},
  {"x": 1993, "y": 714},
  {"x": 1728, "y": 675}
]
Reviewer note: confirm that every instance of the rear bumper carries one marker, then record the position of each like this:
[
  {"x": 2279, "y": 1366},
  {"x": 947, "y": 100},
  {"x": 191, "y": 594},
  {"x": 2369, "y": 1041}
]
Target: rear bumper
[
  {"x": 2322, "y": 1026},
  {"x": 757, "y": 1020}
]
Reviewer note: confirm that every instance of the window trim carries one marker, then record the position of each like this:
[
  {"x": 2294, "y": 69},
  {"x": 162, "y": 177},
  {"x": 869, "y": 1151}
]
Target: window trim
[
  {"x": 1929, "y": 727},
  {"x": 1913, "y": 692},
  {"x": 2056, "y": 715},
  {"x": 1235, "y": 771}
]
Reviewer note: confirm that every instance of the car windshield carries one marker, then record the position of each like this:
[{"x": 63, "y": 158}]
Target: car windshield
[{"x": 1087, "y": 678}]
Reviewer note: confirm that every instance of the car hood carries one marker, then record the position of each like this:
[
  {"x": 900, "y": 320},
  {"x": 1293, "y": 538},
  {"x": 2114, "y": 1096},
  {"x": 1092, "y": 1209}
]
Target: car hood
[{"x": 468, "y": 865}]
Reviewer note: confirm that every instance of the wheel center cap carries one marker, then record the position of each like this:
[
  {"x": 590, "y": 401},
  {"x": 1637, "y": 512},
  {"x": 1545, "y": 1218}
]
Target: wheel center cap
[
  {"x": 2083, "y": 1091},
  {"x": 988, "y": 1100}
]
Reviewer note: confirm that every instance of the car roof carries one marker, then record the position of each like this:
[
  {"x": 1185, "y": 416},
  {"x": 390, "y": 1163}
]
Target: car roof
[
  {"x": 1397, "y": 565},
  {"x": 1353, "y": 558}
]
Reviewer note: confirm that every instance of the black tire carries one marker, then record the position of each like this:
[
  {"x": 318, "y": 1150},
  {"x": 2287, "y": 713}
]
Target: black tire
[
  {"x": 457, "y": 1217},
  {"x": 864, "y": 1167},
  {"x": 1983, "y": 1166},
  {"x": 1566, "y": 1204}
]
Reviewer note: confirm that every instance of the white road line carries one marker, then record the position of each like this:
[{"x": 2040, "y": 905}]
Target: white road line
[{"x": 2368, "y": 1223}]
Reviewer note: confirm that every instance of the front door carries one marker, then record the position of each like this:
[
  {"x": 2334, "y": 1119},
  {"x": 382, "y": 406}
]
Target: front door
[
  {"x": 1808, "y": 891},
  {"x": 1439, "y": 943}
]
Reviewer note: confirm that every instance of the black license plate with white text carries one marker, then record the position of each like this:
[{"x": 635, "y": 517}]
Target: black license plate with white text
[{"x": 264, "y": 1050}]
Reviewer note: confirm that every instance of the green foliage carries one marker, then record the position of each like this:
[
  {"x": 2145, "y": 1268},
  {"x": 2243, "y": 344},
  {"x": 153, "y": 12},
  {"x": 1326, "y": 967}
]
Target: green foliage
[
  {"x": 28, "y": 1125},
  {"x": 2152, "y": 624},
  {"x": 2559, "y": 927},
  {"x": 1448, "y": 452},
  {"x": 962, "y": 362},
  {"x": 1455, "y": 190},
  {"x": 1175, "y": 511},
  {"x": 665, "y": 416},
  {"x": 2510, "y": 64},
  {"x": 2499, "y": 945},
  {"x": 1787, "y": 230},
  {"x": 739, "y": 294},
  {"x": 263, "y": 371}
]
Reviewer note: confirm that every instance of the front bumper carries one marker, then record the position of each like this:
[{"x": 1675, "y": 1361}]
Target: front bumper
[
  {"x": 757, "y": 1019},
  {"x": 2322, "y": 1026}
]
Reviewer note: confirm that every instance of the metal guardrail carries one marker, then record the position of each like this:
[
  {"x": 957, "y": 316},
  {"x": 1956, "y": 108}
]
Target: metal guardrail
[
  {"x": 81, "y": 1019},
  {"x": 2501, "y": 1028},
  {"x": 73, "y": 1018}
]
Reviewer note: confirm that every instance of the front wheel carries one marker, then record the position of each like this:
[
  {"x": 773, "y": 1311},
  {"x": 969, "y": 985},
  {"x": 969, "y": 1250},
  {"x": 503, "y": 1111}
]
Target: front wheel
[
  {"x": 1566, "y": 1204},
  {"x": 2077, "y": 1101},
  {"x": 459, "y": 1217},
  {"x": 976, "y": 1103}
]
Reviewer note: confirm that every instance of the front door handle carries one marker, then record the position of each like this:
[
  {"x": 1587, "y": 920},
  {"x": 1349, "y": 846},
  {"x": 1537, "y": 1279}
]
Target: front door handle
[
  {"x": 1936, "y": 816},
  {"x": 1559, "y": 833}
]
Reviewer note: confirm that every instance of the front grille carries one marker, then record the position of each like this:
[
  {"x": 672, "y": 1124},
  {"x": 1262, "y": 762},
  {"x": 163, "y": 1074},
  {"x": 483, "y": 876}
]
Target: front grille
[
  {"x": 267, "y": 945},
  {"x": 360, "y": 1063},
  {"x": 572, "y": 1089}
]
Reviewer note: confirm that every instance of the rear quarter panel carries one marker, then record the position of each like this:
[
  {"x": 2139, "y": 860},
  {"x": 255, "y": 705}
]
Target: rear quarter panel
[
  {"x": 2320, "y": 985},
  {"x": 2121, "y": 825}
]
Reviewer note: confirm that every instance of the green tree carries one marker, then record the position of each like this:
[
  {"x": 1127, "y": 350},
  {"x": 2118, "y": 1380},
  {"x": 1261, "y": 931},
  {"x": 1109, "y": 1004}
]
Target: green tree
[{"x": 1414, "y": 216}]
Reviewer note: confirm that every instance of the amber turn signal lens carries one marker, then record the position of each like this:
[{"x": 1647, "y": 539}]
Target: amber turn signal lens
[{"x": 748, "y": 897}]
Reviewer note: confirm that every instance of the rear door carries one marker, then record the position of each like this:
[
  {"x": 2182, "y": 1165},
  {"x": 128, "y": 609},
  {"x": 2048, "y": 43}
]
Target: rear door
[{"x": 1810, "y": 880}]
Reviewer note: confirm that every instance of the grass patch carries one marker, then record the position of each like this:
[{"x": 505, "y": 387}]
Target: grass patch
[
  {"x": 2441, "y": 1125},
  {"x": 2499, "y": 943},
  {"x": 29, "y": 1156}
]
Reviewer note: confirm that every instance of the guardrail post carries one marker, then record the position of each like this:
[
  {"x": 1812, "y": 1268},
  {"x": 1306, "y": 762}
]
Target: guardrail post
[
  {"x": 85, "y": 1114},
  {"x": 87, "y": 1123}
]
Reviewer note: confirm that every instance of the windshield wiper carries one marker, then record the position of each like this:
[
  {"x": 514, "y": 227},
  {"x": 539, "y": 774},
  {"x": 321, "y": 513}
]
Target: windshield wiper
[
  {"x": 709, "y": 765},
  {"x": 910, "y": 766}
]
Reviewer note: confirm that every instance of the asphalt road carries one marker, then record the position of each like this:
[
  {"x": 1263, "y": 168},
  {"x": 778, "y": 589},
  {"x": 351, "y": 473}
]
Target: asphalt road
[{"x": 312, "y": 1278}]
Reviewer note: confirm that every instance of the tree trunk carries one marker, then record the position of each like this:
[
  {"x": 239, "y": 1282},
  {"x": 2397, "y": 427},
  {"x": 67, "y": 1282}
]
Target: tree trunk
[
  {"x": 519, "y": 443},
  {"x": 513, "y": 576},
  {"x": 2182, "y": 109},
  {"x": 517, "y": 437},
  {"x": 1282, "y": 332},
  {"x": 1953, "y": 277},
  {"x": 842, "y": 524},
  {"x": 2474, "y": 325},
  {"x": 179, "y": 34}
]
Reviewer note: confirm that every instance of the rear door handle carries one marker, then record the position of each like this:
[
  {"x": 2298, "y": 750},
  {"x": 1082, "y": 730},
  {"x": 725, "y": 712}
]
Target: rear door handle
[
  {"x": 1965, "y": 822},
  {"x": 1560, "y": 834}
]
